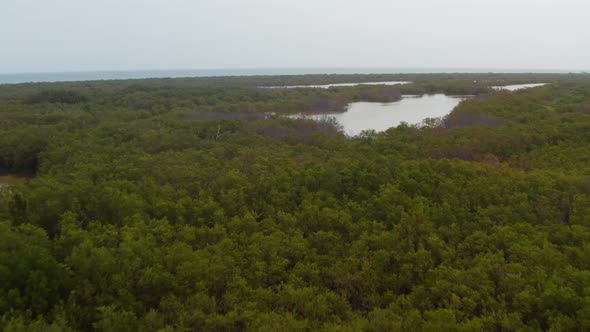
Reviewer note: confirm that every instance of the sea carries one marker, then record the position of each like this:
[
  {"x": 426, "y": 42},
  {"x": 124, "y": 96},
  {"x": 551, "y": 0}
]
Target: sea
[{"x": 17, "y": 78}]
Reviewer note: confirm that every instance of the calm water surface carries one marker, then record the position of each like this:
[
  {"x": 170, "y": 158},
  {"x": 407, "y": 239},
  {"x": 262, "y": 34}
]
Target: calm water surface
[
  {"x": 381, "y": 116},
  {"x": 327, "y": 86},
  {"x": 515, "y": 87}
]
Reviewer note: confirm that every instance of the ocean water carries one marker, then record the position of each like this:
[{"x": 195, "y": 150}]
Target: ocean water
[{"x": 15, "y": 78}]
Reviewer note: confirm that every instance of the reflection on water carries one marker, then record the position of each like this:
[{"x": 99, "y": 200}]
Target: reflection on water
[
  {"x": 515, "y": 87},
  {"x": 381, "y": 116},
  {"x": 327, "y": 86}
]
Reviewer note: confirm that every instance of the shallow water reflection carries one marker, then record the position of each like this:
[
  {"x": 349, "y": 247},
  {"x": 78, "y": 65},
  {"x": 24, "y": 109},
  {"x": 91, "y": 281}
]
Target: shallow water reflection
[
  {"x": 381, "y": 116},
  {"x": 515, "y": 87},
  {"x": 327, "y": 86}
]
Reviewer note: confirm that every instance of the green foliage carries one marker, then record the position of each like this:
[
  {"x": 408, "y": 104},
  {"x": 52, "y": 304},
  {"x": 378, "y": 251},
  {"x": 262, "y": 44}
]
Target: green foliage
[
  {"x": 56, "y": 96},
  {"x": 179, "y": 205},
  {"x": 32, "y": 280}
]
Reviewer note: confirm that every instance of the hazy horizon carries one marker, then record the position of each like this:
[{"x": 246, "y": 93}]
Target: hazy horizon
[
  {"x": 149, "y": 35},
  {"x": 324, "y": 70},
  {"x": 47, "y": 77}
]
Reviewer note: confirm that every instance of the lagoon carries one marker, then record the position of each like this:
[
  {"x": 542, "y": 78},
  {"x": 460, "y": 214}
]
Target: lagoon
[
  {"x": 361, "y": 116},
  {"x": 515, "y": 87},
  {"x": 327, "y": 86}
]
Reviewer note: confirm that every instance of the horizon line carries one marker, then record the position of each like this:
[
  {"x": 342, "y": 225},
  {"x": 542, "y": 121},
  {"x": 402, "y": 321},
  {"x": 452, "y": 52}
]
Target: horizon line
[
  {"x": 112, "y": 75},
  {"x": 405, "y": 70}
]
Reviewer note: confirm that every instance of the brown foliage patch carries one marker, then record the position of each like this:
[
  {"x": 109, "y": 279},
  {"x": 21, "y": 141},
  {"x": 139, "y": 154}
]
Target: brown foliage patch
[{"x": 296, "y": 131}]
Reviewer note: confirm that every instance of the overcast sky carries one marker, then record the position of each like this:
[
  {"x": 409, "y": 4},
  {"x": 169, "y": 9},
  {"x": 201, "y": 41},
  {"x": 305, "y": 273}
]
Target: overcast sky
[{"x": 84, "y": 35}]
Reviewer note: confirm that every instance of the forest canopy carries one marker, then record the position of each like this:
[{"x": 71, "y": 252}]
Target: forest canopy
[{"x": 193, "y": 205}]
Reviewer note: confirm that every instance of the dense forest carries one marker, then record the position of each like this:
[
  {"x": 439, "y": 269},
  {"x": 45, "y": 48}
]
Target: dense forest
[{"x": 193, "y": 205}]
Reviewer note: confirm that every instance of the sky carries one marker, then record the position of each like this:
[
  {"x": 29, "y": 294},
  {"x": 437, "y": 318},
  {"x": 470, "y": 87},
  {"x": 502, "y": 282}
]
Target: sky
[{"x": 84, "y": 35}]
